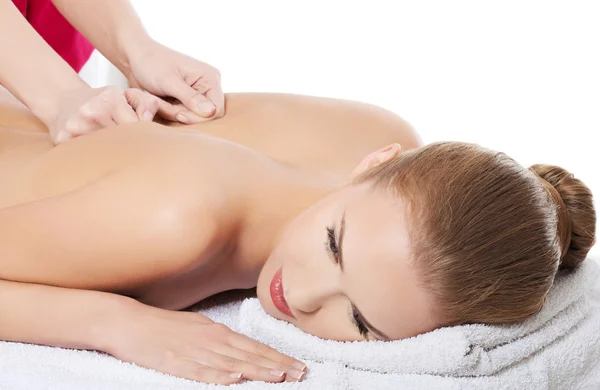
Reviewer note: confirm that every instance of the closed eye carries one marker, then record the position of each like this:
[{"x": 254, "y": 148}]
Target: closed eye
[
  {"x": 355, "y": 316},
  {"x": 358, "y": 322}
]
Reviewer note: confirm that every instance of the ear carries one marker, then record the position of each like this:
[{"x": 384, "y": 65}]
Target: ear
[{"x": 378, "y": 157}]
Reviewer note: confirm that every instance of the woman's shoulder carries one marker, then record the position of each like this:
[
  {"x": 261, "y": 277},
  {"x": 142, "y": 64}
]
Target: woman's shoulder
[{"x": 308, "y": 131}]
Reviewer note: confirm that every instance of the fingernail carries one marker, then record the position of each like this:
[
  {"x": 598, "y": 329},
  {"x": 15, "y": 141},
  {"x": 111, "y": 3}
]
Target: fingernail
[
  {"x": 147, "y": 116},
  {"x": 296, "y": 374},
  {"x": 277, "y": 373},
  {"x": 299, "y": 366},
  {"x": 181, "y": 118},
  {"x": 206, "y": 108},
  {"x": 235, "y": 375}
]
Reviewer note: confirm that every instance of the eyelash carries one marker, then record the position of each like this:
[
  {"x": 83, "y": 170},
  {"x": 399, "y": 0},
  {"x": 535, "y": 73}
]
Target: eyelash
[
  {"x": 332, "y": 245},
  {"x": 358, "y": 322},
  {"x": 355, "y": 317}
]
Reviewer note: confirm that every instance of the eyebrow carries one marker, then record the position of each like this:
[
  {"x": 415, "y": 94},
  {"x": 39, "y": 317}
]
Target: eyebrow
[{"x": 371, "y": 328}]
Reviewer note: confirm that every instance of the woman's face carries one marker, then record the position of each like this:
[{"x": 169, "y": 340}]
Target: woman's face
[{"x": 341, "y": 270}]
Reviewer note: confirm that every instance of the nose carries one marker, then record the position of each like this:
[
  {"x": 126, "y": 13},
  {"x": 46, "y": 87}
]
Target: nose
[{"x": 308, "y": 293}]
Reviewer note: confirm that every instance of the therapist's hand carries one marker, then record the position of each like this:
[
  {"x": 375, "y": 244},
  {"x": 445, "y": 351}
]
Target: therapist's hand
[
  {"x": 166, "y": 73},
  {"x": 87, "y": 109}
]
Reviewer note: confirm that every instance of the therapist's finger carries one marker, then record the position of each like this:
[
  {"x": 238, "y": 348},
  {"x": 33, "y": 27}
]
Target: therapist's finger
[
  {"x": 75, "y": 127},
  {"x": 93, "y": 116},
  {"x": 215, "y": 95},
  {"x": 145, "y": 104},
  {"x": 104, "y": 121},
  {"x": 178, "y": 113},
  {"x": 191, "y": 98},
  {"x": 122, "y": 112}
]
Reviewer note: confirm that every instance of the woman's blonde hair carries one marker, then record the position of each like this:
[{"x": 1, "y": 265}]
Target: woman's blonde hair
[{"x": 487, "y": 235}]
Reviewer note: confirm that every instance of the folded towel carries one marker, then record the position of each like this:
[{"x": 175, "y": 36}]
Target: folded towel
[
  {"x": 558, "y": 348},
  {"x": 466, "y": 352}
]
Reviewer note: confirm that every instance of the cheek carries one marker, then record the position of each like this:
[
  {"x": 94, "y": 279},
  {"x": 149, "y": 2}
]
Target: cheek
[
  {"x": 301, "y": 240},
  {"x": 305, "y": 237},
  {"x": 332, "y": 322},
  {"x": 288, "y": 253}
]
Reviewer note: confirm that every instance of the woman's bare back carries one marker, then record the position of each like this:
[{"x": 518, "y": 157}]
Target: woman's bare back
[{"x": 310, "y": 132}]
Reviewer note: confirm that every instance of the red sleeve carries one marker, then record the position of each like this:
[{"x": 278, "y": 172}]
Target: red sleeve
[{"x": 56, "y": 31}]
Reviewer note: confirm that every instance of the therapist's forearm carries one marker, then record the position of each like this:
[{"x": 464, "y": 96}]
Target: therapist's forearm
[
  {"x": 29, "y": 68},
  {"x": 112, "y": 26}
]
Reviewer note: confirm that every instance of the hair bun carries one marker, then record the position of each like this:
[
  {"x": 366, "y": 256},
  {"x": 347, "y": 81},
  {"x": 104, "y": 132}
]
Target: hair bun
[{"x": 575, "y": 212}]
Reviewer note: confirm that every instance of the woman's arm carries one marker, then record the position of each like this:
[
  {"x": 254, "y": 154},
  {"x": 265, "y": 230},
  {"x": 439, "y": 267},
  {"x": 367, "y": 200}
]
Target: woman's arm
[
  {"x": 170, "y": 342},
  {"x": 29, "y": 68},
  {"x": 113, "y": 27},
  {"x": 60, "y": 317},
  {"x": 39, "y": 78},
  {"x": 116, "y": 31}
]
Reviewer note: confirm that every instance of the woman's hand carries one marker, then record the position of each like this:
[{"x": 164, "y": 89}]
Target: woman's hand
[
  {"x": 171, "y": 75},
  {"x": 86, "y": 109},
  {"x": 190, "y": 345}
]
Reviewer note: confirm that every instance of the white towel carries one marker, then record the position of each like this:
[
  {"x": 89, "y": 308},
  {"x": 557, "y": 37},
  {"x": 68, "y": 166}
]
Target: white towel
[{"x": 557, "y": 349}]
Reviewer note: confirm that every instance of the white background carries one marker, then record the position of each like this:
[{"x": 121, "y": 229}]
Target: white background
[{"x": 522, "y": 77}]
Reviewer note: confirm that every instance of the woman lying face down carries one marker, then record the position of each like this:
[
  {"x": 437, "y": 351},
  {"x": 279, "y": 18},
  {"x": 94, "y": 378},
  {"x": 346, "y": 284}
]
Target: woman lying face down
[{"x": 144, "y": 220}]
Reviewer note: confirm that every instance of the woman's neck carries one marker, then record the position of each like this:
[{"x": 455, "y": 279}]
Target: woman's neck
[{"x": 269, "y": 204}]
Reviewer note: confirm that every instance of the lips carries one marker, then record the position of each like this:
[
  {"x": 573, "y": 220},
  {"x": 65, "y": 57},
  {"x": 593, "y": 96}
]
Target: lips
[{"x": 277, "y": 295}]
